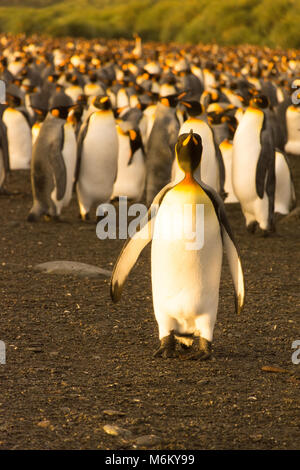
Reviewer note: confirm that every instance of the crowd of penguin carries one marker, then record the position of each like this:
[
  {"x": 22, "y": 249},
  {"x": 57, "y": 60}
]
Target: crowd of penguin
[{"x": 105, "y": 119}]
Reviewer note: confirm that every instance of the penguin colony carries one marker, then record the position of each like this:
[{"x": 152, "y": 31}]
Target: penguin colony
[{"x": 162, "y": 125}]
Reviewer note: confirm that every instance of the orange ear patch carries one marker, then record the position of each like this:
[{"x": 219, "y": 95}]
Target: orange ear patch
[
  {"x": 132, "y": 134},
  {"x": 55, "y": 112}
]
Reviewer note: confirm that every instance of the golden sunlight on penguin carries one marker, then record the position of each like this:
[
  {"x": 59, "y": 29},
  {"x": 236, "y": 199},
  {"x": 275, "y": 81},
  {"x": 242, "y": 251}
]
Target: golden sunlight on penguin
[{"x": 186, "y": 257}]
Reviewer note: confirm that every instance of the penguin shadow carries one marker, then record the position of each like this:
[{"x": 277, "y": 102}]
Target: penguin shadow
[{"x": 48, "y": 219}]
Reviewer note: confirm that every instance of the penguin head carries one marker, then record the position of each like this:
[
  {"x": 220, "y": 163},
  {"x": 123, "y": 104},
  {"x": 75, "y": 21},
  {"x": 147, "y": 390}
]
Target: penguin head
[
  {"x": 39, "y": 103},
  {"x": 169, "y": 100},
  {"x": 260, "y": 101},
  {"x": 60, "y": 105},
  {"x": 13, "y": 96},
  {"x": 102, "y": 102},
  {"x": 193, "y": 107},
  {"x": 231, "y": 122},
  {"x": 189, "y": 151}
]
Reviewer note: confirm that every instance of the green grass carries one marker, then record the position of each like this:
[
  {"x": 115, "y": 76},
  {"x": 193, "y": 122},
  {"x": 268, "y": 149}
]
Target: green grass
[{"x": 273, "y": 23}]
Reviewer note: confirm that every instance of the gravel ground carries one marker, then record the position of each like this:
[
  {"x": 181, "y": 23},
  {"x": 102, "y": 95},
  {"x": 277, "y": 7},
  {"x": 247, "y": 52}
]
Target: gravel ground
[{"x": 80, "y": 371}]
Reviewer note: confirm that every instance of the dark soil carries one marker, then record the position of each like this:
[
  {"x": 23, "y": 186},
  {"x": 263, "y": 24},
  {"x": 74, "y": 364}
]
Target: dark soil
[{"x": 71, "y": 353}]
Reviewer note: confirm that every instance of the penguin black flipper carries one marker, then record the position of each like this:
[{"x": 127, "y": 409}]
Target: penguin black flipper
[
  {"x": 294, "y": 198},
  {"x": 265, "y": 170},
  {"x": 4, "y": 146},
  {"x": 221, "y": 166},
  {"x": 230, "y": 246},
  {"x": 134, "y": 246},
  {"x": 265, "y": 160},
  {"x": 80, "y": 140},
  {"x": 26, "y": 116},
  {"x": 280, "y": 112},
  {"x": 58, "y": 166}
]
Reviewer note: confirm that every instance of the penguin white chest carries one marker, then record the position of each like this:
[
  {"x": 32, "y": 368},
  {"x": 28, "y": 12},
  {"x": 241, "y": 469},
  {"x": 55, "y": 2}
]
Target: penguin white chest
[
  {"x": 226, "y": 148},
  {"x": 130, "y": 180},
  {"x": 99, "y": 161},
  {"x": 19, "y": 139},
  {"x": 246, "y": 151},
  {"x": 293, "y": 130},
  {"x": 69, "y": 156},
  {"x": 100, "y": 148},
  {"x": 186, "y": 259}
]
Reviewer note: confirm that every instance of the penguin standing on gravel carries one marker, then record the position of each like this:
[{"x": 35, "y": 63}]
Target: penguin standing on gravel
[
  {"x": 253, "y": 166},
  {"x": 97, "y": 156},
  {"x": 53, "y": 161},
  {"x": 185, "y": 275}
]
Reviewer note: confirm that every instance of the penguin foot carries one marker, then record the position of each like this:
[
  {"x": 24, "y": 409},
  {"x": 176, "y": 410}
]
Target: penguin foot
[
  {"x": 32, "y": 217},
  {"x": 252, "y": 227},
  {"x": 84, "y": 216},
  {"x": 4, "y": 192},
  {"x": 51, "y": 218},
  {"x": 266, "y": 233},
  {"x": 204, "y": 352},
  {"x": 167, "y": 347}
]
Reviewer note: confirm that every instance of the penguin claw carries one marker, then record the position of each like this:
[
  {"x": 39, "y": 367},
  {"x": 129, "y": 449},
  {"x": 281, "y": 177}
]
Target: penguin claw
[
  {"x": 32, "y": 217},
  {"x": 204, "y": 352},
  {"x": 197, "y": 356},
  {"x": 167, "y": 347},
  {"x": 165, "y": 353},
  {"x": 251, "y": 227}
]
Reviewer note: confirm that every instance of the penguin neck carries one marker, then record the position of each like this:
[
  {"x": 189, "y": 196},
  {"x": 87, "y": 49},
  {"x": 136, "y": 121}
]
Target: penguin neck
[{"x": 189, "y": 178}]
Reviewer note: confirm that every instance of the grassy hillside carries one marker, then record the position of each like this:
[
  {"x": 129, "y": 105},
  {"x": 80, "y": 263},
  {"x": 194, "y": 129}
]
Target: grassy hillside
[{"x": 273, "y": 23}]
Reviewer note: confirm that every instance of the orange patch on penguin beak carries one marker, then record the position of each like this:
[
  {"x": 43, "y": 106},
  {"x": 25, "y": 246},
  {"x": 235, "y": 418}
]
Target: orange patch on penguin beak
[
  {"x": 186, "y": 141},
  {"x": 188, "y": 105},
  {"x": 182, "y": 95}
]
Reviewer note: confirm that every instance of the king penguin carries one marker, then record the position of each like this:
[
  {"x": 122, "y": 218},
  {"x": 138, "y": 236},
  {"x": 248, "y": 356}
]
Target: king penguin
[
  {"x": 53, "y": 161},
  {"x": 253, "y": 166},
  {"x": 185, "y": 276},
  {"x": 97, "y": 157}
]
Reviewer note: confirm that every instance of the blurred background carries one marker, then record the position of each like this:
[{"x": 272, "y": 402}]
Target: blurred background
[{"x": 272, "y": 23}]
